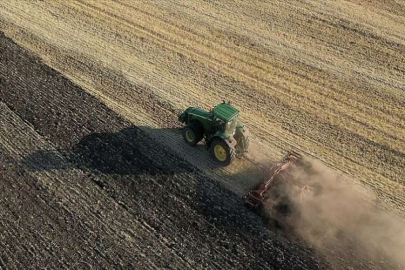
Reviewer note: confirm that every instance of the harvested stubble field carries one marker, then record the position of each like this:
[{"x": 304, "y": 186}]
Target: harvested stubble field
[{"x": 94, "y": 171}]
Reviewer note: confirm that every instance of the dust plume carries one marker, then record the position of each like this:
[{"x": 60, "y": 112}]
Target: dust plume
[{"x": 336, "y": 216}]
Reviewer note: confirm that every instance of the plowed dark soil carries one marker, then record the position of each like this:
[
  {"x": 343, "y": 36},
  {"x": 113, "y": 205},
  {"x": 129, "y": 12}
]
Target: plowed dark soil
[{"x": 82, "y": 187}]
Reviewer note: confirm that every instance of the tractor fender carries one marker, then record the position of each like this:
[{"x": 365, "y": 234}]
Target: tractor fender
[
  {"x": 231, "y": 142},
  {"x": 242, "y": 132},
  {"x": 182, "y": 117},
  {"x": 246, "y": 132},
  {"x": 197, "y": 123}
]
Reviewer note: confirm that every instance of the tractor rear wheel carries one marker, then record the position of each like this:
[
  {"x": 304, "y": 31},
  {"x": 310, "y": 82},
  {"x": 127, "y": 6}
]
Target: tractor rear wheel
[
  {"x": 192, "y": 134},
  {"x": 221, "y": 152}
]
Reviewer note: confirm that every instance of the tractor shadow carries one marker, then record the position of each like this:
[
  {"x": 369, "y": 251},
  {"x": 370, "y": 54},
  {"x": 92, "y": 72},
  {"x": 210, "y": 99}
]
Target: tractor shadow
[
  {"x": 132, "y": 150},
  {"x": 137, "y": 151},
  {"x": 127, "y": 152}
]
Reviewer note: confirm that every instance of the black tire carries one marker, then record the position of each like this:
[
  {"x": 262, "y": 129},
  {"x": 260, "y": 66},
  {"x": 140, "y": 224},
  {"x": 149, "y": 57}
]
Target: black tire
[
  {"x": 199, "y": 129},
  {"x": 228, "y": 153},
  {"x": 192, "y": 134}
]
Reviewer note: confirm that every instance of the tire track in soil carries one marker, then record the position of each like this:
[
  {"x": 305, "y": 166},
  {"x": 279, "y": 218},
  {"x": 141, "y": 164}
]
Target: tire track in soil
[{"x": 148, "y": 196}]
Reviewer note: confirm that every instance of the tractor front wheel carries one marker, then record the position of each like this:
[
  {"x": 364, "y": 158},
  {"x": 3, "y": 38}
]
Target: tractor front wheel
[
  {"x": 221, "y": 152},
  {"x": 191, "y": 134}
]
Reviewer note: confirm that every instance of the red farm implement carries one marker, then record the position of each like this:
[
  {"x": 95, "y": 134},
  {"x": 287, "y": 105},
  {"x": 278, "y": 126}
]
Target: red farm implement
[{"x": 277, "y": 195}]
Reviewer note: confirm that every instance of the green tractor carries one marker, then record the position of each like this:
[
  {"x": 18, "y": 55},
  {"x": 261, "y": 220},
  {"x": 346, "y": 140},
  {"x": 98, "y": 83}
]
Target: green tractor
[{"x": 224, "y": 135}]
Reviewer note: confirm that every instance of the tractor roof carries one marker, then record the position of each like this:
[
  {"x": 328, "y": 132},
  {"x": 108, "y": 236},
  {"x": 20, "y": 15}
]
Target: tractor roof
[{"x": 225, "y": 111}]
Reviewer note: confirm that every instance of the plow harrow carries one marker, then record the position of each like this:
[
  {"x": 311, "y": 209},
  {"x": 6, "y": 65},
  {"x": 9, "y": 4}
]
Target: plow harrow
[{"x": 280, "y": 191}]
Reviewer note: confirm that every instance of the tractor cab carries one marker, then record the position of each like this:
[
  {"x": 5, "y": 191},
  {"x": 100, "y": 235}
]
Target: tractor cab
[
  {"x": 225, "y": 119},
  {"x": 228, "y": 127}
]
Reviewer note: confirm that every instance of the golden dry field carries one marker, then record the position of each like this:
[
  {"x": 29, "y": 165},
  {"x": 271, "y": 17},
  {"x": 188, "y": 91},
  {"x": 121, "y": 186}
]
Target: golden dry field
[{"x": 324, "y": 77}]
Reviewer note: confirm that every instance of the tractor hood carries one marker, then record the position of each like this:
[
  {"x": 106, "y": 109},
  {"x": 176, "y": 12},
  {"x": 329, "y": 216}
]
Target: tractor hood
[{"x": 193, "y": 111}]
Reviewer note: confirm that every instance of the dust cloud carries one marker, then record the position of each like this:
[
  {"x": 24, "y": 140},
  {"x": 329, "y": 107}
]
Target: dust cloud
[{"x": 335, "y": 215}]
